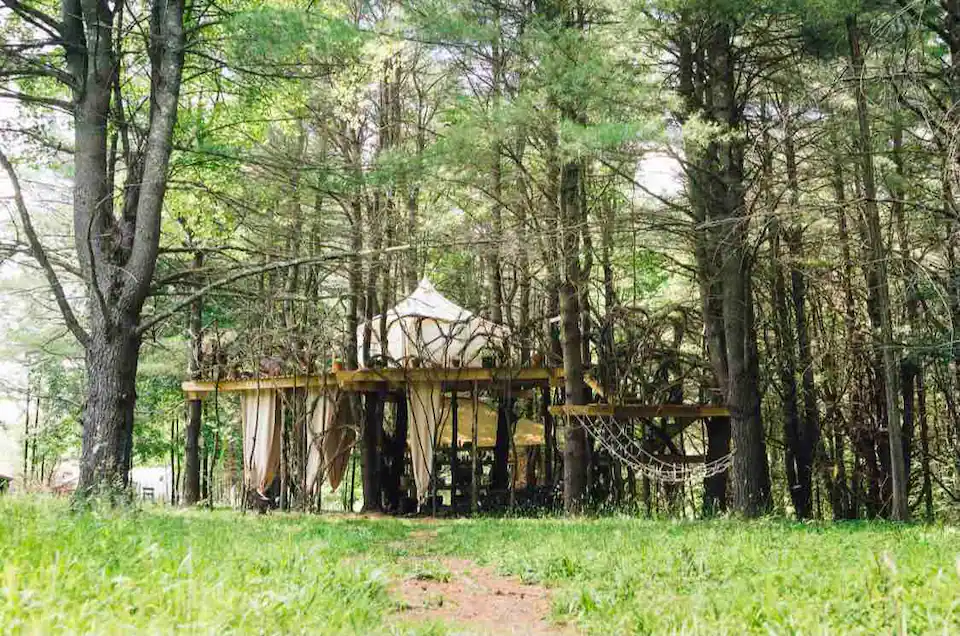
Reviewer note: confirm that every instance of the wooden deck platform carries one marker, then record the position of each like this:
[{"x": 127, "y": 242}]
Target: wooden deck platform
[{"x": 384, "y": 379}]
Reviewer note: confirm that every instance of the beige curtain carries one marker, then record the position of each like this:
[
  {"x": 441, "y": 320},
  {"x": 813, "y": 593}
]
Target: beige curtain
[
  {"x": 261, "y": 438},
  {"x": 425, "y": 406},
  {"x": 339, "y": 440},
  {"x": 330, "y": 438},
  {"x": 321, "y": 415}
]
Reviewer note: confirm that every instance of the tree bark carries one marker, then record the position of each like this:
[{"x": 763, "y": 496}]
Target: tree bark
[
  {"x": 500, "y": 474},
  {"x": 111, "y": 360},
  {"x": 718, "y": 446},
  {"x": 575, "y": 447},
  {"x": 191, "y": 459},
  {"x": 797, "y": 485},
  {"x": 372, "y": 442},
  {"x": 117, "y": 253},
  {"x": 900, "y": 509}
]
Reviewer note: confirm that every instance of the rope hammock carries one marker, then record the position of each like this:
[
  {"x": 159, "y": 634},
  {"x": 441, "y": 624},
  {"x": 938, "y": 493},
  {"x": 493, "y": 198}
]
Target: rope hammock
[{"x": 618, "y": 437}]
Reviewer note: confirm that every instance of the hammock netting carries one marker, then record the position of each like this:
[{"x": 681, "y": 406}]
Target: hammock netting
[{"x": 618, "y": 437}]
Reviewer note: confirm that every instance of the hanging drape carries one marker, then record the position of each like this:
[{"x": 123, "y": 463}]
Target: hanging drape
[
  {"x": 261, "y": 438},
  {"x": 331, "y": 435},
  {"x": 425, "y": 405}
]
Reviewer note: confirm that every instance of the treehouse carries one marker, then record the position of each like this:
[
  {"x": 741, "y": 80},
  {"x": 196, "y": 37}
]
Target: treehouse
[{"x": 436, "y": 408}]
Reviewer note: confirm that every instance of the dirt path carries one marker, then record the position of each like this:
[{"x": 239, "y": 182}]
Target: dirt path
[{"x": 473, "y": 599}]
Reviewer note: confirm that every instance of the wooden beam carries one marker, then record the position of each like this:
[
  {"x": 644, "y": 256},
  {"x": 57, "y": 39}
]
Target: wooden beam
[
  {"x": 198, "y": 389},
  {"x": 678, "y": 459},
  {"x": 642, "y": 411},
  {"x": 364, "y": 380}
]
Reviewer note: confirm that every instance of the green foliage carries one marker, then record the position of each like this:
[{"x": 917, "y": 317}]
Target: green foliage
[{"x": 281, "y": 36}]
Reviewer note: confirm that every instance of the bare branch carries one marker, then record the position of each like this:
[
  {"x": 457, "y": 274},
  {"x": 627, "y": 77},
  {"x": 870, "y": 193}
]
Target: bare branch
[
  {"x": 269, "y": 267},
  {"x": 36, "y": 248},
  {"x": 35, "y": 17}
]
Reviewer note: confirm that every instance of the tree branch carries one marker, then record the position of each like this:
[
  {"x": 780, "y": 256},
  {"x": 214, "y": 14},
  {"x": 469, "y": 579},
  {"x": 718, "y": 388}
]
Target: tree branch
[
  {"x": 269, "y": 267},
  {"x": 36, "y": 248},
  {"x": 37, "y": 18}
]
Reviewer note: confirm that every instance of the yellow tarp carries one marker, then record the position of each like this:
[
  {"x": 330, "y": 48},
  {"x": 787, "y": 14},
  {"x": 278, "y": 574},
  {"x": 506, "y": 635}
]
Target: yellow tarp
[{"x": 529, "y": 432}]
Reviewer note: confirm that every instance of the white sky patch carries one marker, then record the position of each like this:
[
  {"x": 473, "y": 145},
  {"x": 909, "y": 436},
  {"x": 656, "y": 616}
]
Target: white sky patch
[{"x": 661, "y": 174}]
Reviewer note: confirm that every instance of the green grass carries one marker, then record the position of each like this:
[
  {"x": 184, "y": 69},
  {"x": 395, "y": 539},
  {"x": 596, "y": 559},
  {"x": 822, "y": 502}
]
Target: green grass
[{"x": 157, "y": 570}]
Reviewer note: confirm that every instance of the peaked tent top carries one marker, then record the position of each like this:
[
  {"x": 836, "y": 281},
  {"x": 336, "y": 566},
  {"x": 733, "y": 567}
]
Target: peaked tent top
[{"x": 427, "y": 302}]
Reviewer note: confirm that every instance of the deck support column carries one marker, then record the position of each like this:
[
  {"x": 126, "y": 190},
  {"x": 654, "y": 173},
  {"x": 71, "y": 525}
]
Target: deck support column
[
  {"x": 370, "y": 449},
  {"x": 454, "y": 439},
  {"x": 547, "y": 435},
  {"x": 474, "y": 453}
]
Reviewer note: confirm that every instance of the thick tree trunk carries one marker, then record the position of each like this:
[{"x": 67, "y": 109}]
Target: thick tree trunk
[
  {"x": 751, "y": 477},
  {"x": 718, "y": 446},
  {"x": 107, "y": 441},
  {"x": 575, "y": 447},
  {"x": 117, "y": 252}
]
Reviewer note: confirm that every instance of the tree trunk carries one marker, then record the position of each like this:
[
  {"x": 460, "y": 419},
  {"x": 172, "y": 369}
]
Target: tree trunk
[
  {"x": 575, "y": 447},
  {"x": 718, "y": 446},
  {"x": 191, "y": 459},
  {"x": 26, "y": 436},
  {"x": 808, "y": 428},
  {"x": 372, "y": 434},
  {"x": 394, "y": 454},
  {"x": 111, "y": 358},
  {"x": 117, "y": 253},
  {"x": 810, "y": 442},
  {"x": 500, "y": 474},
  {"x": 798, "y": 488},
  {"x": 900, "y": 508}
]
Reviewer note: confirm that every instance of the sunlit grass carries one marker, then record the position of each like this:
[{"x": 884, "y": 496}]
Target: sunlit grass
[
  {"x": 159, "y": 570},
  {"x": 632, "y": 576}
]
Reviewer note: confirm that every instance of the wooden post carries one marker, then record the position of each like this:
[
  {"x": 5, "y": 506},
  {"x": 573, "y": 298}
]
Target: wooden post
[
  {"x": 474, "y": 454},
  {"x": 173, "y": 462},
  {"x": 433, "y": 475},
  {"x": 454, "y": 460},
  {"x": 26, "y": 438},
  {"x": 353, "y": 478},
  {"x": 547, "y": 435},
  {"x": 284, "y": 458}
]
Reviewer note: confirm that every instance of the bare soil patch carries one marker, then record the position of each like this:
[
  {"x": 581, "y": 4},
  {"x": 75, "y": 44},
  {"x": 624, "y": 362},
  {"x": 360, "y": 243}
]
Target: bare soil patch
[{"x": 474, "y": 600}]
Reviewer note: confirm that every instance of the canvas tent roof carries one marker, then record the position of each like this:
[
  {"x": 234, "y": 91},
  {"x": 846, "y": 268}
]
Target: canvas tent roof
[
  {"x": 427, "y": 302},
  {"x": 429, "y": 326}
]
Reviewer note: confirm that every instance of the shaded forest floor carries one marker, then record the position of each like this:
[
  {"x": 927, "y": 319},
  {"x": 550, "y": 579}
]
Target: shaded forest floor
[{"x": 159, "y": 570}]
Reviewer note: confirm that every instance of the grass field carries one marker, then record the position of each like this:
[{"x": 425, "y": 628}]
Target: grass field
[{"x": 157, "y": 570}]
